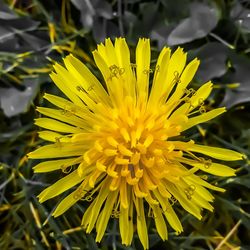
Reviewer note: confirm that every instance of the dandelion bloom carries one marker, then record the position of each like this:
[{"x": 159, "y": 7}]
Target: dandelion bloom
[{"x": 118, "y": 142}]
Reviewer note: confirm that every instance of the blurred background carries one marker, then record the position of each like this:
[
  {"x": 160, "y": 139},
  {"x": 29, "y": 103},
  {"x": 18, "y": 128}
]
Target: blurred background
[{"x": 35, "y": 33}]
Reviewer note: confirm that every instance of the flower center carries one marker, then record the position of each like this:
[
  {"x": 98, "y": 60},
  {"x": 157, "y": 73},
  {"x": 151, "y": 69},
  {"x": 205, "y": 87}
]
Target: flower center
[{"x": 133, "y": 145}]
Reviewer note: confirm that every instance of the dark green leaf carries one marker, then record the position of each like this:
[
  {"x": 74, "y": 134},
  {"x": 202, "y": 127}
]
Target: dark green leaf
[
  {"x": 202, "y": 20},
  {"x": 213, "y": 58},
  {"x": 241, "y": 17},
  {"x": 239, "y": 74},
  {"x": 14, "y": 102}
]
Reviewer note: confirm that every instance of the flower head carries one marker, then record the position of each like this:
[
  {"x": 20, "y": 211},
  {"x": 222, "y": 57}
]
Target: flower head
[{"x": 117, "y": 142}]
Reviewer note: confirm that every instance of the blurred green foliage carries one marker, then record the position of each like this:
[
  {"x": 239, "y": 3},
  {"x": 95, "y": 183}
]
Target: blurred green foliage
[{"x": 34, "y": 34}]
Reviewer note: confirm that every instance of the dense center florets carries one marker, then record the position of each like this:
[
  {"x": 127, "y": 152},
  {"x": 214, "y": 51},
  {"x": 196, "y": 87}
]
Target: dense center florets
[{"x": 132, "y": 144}]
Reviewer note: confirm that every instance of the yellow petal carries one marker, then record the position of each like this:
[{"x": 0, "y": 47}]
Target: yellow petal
[
  {"x": 184, "y": 80},
  {"x": 217, "y": 153},
  {"x": 104, "y": 216},
  {"x": 65, "y": 204},
  {"x": 57, "y": 151},
  {"x": 202, "y": 118},
  {"x": 141, "y": 223},
  {"x": 124, "y": 194},
  {"x": 60, "y": 186},
  {"x": 204, "y": 193},
  {"x": 64, "y": 76},
  {"x": 169, "y": 213},
  {"x": 87, "y": 79},
  {"x": 66, "y": 90},
  {"x": 211, "y": 167},
  {"x": 70, "y": 200},
  {"x": 142, "y": 66},
  {"x": 125, "y": 221},
  {"x": 108, "y": 52},
  {"x": 199, "y": 181},
  {"x": 89, "y": 219},
  {"x": 160, "y": 223},
  {"x": 185, "y": 203},
  {"x": 55, "y": 125},
  {"x": 124, "y": 224},
  {"x": 196, "y": 100},
  {"x": 114, "y": 87},
  {"x": 160, "y": 79},
  {"x": 48, "y": 166},
  {"x": 131, "y": 224},
  {"x": 53, "y": 136},
  {"x": 200, "y": 201},
  {"x": 176, "y": 65},
  {"x": 65, "y": 115},
  {"x": 123, "y": 57},
  {"x": 102, "y": 65},
  {"x": 86, "y": 216},
  {"x": 68, "y": 106}
]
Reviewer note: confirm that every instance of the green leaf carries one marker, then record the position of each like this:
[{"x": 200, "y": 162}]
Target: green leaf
[
  {"x": 14, "y": 102},
  {"x": 239, "y": 74},
  {"x": 241, "y": 17},
  {"x": 202, "y": 20},
  {"x": 213, "y": 57}
]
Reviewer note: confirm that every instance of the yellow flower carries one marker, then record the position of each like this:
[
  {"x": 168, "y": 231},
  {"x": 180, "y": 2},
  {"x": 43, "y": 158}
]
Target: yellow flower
[{"x": 118, "y": 141}]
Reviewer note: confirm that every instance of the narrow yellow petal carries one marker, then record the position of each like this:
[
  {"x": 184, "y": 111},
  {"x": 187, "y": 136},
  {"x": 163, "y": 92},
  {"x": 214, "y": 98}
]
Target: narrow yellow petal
[
  {"x": 142, "y": 66},
  {"x": 141, "y": 223},
  {"x": 86, "y": 216},
  {"x": 199, "y": 181},
  {"x": 48, "y": 166},
  {"x": 60, "y": 186},
  {"x": 160, "y": 84},
  {"x": 68, "y": 106},
  {"x": 160, "y": 223},
  {"x": 123, "y": 57},
  {"x": 125, "y": 221},
  {"x": 65, "y": 204},
  {"x": 105, "y": 214},
  {"x": 194, "y": 101},
  {"x": 89, "y": 219},
  {"x": 203, "y": 192},
  {"x": 201, "y": 95},
  {"x": 111, "y": 78},
  {"x": 65, "y": 89},
  {"x": 173, "y": 219},
  {"x": 188, "y": 74},
  {"x": 184, "y": 80},
  {"x": 76, "y": 87},
  {"x": 53, "y": 136},
  {"x": 131, "y": 224},
  {"x": 87, "y": 79},
  {"x": 169, "y": 213},
  {"x": 210, "y": 167},
  {"x": 124, "y": 194},
  {"x": 217, "y": 153},
  {"x": 202, "y": 118},
  {"x": 199, "y": 189},
  {"x": 176, "y": 65},
  {"x": 124, "y": 224},
  {"x": 70, "y": 200},
  {"x": 185, "y": 203},
  {"x": 200, "y": 201},
  {"x": 63, "y": 115},
  {"x": 109, "y": 54},
  {"x": 55, "y": 125},
  {"x": 57, "y": 151},
  {"x": 101, "y": 64}
]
